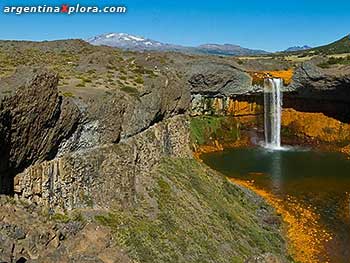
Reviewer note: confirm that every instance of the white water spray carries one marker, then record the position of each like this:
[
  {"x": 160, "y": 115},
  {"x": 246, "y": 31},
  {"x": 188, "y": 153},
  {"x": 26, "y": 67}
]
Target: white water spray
[{"x": 273, "y": 112}]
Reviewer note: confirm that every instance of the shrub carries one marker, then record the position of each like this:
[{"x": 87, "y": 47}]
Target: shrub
[
  {"x": 68, "y": 94},
  {"x": 139, "y": 80},
  {"x": 81, "y": 84},
  {"x": 130, "y": 90}
]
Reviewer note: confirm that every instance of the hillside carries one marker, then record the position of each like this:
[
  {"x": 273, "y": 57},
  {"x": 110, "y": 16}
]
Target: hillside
[{"x": 338, "y": 47}]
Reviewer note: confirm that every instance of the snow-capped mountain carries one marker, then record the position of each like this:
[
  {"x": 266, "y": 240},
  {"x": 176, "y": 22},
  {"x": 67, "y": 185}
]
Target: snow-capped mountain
[
  {"x": 132, "y": 42},
  {"x": 127, "y": 41},
  {"x": 298, "y": 48}
]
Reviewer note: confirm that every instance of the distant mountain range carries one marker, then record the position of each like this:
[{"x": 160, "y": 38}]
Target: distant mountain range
[
  {"x": 132, "y": 42},
  {"x": 297, "y": 48},
  {"x": 137, "y": 43}
]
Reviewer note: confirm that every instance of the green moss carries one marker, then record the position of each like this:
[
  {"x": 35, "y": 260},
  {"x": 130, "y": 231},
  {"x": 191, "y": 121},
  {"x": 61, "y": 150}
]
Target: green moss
[
  {"x": 288, "y": 131},
  {"x": 77, "y": 216},
  {"x": 205, "y": 129}
]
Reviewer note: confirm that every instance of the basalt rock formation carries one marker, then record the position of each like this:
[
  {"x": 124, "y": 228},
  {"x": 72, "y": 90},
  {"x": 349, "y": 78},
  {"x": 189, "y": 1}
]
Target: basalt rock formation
[
  {"x": 111, "y": 175},
  {"x": 38, "y": 122},
  {"x": 35, "y": 120}
]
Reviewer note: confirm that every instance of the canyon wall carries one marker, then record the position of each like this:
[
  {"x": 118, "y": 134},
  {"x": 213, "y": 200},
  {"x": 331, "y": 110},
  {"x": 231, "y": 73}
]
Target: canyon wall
[
  {"x": 33, "y": 123},
  {"x": 109, "y": 176},
  {"x": 313, "y": 123}
]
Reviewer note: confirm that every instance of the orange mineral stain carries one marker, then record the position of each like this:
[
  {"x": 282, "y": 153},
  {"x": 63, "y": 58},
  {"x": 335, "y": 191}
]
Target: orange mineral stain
[
  {"x": 305, "y": 234},
  {"x": 316, "y": 125},
  {"x": 259, "y": 76}
]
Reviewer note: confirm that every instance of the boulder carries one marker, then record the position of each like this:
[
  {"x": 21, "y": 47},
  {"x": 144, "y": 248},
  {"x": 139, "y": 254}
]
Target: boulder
[{"x": 213, "y": 78}]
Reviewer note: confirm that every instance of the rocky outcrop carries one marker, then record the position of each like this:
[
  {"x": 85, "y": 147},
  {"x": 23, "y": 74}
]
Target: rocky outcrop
[
  {"x": 106, "y": 176},
  {"x": 40, "y": 124},
  {"x": 217, "y": 79},
  {"x": 28, "y": 234},
  {"x": 310, "y": 81},
  {"x": 34, "y": 121},
  {"x": 316, "y": 90},
  {"x": 260, "y": 76},
  {"x": 119, "y": 115}
]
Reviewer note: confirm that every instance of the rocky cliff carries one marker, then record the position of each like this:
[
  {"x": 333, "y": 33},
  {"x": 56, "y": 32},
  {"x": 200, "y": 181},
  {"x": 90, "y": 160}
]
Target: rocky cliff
[
  {"x": 111, "y": 175},
  {"x": 34, "y": 121}
]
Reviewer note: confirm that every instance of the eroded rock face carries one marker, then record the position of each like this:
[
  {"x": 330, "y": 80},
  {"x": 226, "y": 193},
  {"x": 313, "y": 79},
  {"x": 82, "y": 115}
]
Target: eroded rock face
[
  {"x": 310, "y": 81},
  {"x": 316, "y": 90},
  {"x": 107, "y": 176},
  {"x": 34, "y": 121},
  {"x": 315, "y": 126},
  {"x": 119, "y": 115},
  {"x": 226, "y": 106},
  {"x": 38, "y": 124}
]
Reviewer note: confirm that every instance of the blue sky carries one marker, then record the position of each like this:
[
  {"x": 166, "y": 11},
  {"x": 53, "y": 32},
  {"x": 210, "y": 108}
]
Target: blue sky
[{"x": 270, "y": 25}]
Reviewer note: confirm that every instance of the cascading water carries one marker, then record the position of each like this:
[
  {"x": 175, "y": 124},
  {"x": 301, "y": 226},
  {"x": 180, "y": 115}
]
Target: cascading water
[{"x": 273, "y": 112}]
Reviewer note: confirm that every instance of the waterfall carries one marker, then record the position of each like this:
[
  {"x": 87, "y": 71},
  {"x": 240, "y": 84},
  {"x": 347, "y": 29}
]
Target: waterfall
[{"x": 272, "y": 112}]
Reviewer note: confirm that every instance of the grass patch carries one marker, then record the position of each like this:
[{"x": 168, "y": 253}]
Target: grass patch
[
  {"x": 334, "y": 61},
  {"x": 81, "y": 85},
  {"x": 199, "y": 217},
  {"x": 60, "y": 218}
]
